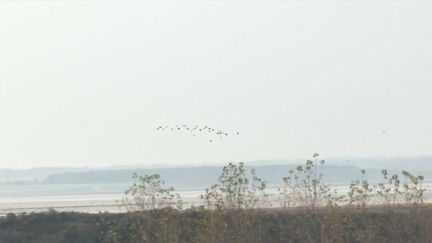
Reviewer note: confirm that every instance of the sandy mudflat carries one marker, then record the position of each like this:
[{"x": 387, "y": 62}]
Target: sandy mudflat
[
  {"x": 103, "y": 202},
  {"x": 93, "y": 203}
]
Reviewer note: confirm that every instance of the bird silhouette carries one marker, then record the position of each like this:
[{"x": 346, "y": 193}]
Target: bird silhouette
[{"x": 197, "y": 129}]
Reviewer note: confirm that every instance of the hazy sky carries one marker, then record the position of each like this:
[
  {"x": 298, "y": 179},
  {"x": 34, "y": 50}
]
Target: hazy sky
[{"x": 87, "y": 83}]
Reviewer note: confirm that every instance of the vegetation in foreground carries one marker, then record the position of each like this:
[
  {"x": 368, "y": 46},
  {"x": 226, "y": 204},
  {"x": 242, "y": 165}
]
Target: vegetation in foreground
[
  {"x": 384, "y": 224},
  {"x": 238, "y": 209}
]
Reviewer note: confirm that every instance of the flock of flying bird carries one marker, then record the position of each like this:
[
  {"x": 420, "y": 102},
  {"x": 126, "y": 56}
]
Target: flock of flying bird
[{"x": 197, "y": 129}]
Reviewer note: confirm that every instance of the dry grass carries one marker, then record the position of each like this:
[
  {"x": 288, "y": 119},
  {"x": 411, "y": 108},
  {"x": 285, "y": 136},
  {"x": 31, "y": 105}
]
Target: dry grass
[{"x": 342, "y": 224}]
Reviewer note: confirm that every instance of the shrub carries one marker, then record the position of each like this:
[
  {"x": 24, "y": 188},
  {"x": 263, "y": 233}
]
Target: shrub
[
  {"x": 236, "y": 190},
  {"x": 148, "y": 192}
]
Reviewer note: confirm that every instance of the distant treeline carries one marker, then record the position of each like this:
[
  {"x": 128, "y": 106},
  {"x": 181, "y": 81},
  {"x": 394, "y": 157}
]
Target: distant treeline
[
  {"x": 269, "y": 170},
  {"x": 201, "y": 177}
]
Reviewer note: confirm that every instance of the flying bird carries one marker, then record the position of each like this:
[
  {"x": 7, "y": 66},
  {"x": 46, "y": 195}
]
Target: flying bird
[{"x": 210, "y": 131}]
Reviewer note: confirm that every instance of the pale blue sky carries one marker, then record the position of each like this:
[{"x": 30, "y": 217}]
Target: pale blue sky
[{"x": 86, "y": 83}]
